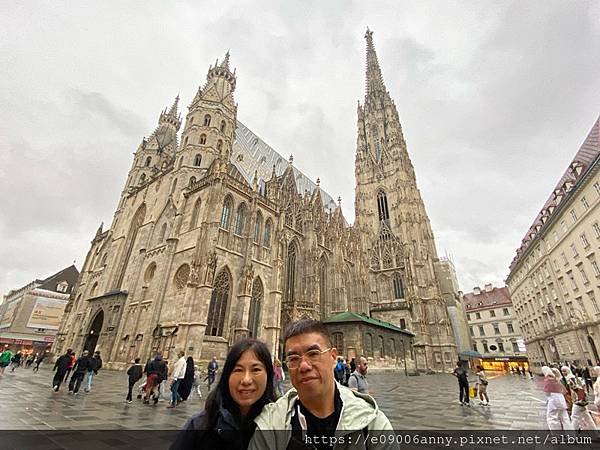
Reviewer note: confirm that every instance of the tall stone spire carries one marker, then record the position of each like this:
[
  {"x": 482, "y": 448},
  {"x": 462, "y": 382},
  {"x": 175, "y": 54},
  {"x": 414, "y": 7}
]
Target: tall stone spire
[
  {"x": 374, "y": 80},
  {"x": 173, "y": 110}
]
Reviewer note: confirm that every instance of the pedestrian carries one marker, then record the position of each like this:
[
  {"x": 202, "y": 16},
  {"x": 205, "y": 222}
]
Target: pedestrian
[
  {"x": 557, "y": 415},
  {"x": 134, "y": 374},
  {"x": 339, "y": 370},
  {"x": 460, "y": 372},
  {"x": 352, "y": 365},
  {"x": 95, "y": 366},
  {"x": 197, "y": 382},
  {"x": 71, "y": 364},
  {"x": 347, "y": 373},
  {"x": 187, "y": 383},
  {"x": 176, "y": 379},
  {"x": 244, "y": 389},
  {"x": 61, "y": 366},
  {"x": 39, "y": 361},
  {"x": 530, "y": 373},
  {"x": 5, "y": 358},
  {"x": 587, "y": 376},
  {"x": 29, "y": 360},
  {"x": 212, "y": 371},
  {"x": 596, "y": 373},
  {"x": 567, "y": 391},
  {"x": 278, "y": 378},
  {"x": 358, "y": 381},
  {"x": 81, "y": 367},
  {"x": 156, "y": 372},
  {"x": 482, "y": 384},
  {"x": 15, "y": 361},
  {"x": 580, "y": 416},
  {"x": 318, "y": 406}
]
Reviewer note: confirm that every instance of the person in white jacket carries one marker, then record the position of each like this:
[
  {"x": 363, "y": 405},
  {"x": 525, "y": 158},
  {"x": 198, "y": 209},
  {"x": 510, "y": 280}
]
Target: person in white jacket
[
  {"x": 177, "y": 376},
  {"x": 596, "y": 373}
]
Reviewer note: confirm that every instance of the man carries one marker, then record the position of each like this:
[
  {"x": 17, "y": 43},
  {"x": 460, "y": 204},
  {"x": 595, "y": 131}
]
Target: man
[
  {"x": 134, "y": 374},
  {"x": 212, "y": 371},
  {"x": 463, "y": 383},
  {"x": 317, "y": 410},
  {"x": 95, "y": 366},
  {"x": 61, "y": 366},
  {"x": 157, "y": 372},
  {"x": 39, "y": 361},
  {"x": 82, "y": 366},
  {"x": 5, "y": 358},
  {"x": 177, "y": 376},
  {"x": 358, "y": 381},
  {"x": 15, "y": 361}
]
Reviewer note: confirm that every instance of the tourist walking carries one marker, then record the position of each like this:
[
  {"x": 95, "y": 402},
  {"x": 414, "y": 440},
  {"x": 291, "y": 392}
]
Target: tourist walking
[
  {"x": 61, "y": 366},
  {"x": 460, "y": 372},
  {"x": 557, "y": 415},
  {"x": 39, "y": 361},
  {"x": 15, "y": 361},
  {"x": 186, "y": 384},
  {"x": 212, "y": 371},
  {"x": 482, "y": 384},
  {"x": 339, "y": 370},
  {"x": 197, "y": 386},
  {"x": 352, "y": 365},
  {"x": 71, "y": 364},
  {"x": 156, "y": 373},
  {"x": 347, "y": 373},
  {"x": 95, "y": 366},
  {"x": 587, "y": 376},
  {"x": 29, "y": 360},
  {"x": 278, "y": 377},
  {"x": 134, "y": 374},
  {"x": 5, "y": 358},
  {"x": 358, "y": 378},
  {"x": 177, "y": 377},
  {"x": 82, "y": 366},
  {"x": 581, "y": 417}
]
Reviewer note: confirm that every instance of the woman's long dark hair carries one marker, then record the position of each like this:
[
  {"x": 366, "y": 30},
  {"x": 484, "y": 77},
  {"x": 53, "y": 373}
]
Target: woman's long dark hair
[{"x": 220, "y": 396}]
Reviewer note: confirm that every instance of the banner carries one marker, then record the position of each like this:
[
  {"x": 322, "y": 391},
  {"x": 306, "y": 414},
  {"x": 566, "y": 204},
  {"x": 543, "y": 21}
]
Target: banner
[
  {"x": 9, "y": 314},
  {"x": 47, "y": 313}
]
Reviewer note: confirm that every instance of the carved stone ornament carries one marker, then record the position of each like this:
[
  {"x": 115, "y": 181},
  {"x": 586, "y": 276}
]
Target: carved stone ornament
[{"x": 211, "y": 266}]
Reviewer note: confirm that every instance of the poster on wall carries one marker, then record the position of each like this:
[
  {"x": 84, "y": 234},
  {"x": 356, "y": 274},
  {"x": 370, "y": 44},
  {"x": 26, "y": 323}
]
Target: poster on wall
[
  {"x": 9, "y": 314},
  {"x": 46, "y": 313}
]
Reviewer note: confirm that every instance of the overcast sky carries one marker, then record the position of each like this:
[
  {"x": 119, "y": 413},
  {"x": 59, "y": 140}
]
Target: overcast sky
[{"x": 494, "y": 97}]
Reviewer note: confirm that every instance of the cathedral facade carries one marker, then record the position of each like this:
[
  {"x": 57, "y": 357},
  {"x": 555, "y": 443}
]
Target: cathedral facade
[{"x": 216, "y": 237}]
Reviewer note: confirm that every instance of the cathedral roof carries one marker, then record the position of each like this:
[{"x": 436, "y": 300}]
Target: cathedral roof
[
  {"x": 250, "y": 153},
  {"x": 350, "y": 316}
]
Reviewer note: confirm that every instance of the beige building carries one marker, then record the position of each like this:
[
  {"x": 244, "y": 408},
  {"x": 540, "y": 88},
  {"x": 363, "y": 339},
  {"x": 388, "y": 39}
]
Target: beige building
[
  {"x": 494, "y": 330},
  {"x": 30, "y": 315},
  {"x": 446, "y": 274},
  {"x": 555, "y": 276},
  {"x": 217, "y": 237}
]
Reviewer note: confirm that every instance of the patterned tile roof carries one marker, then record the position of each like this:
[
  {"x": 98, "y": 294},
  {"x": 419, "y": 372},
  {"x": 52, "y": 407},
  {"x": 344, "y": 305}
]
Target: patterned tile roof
[{"x": 487, "y": 299}]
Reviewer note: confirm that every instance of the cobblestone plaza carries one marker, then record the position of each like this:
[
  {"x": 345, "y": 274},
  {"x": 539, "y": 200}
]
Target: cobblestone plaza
[{"x": 418, "y": 403}]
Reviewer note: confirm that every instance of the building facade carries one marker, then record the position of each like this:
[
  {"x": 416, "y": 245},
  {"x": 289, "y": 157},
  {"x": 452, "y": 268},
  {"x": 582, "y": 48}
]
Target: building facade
[
  {"x": 30, "y": 316},
  {"x": 494, "y": 329},
  {"x": 555, "y": 277},
  {"x": 217, "y": 237}
]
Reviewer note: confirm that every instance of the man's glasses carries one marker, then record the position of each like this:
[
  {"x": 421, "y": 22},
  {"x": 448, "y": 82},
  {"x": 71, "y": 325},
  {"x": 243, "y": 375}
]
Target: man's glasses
[{"x": 312, "y": 356}]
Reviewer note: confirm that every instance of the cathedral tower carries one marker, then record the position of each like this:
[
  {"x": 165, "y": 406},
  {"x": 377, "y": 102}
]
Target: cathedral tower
[{"x": 391, "y": 217}]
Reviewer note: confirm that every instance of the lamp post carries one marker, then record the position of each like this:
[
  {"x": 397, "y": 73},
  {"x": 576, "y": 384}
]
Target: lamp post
[{"x": 404, "y": 357}]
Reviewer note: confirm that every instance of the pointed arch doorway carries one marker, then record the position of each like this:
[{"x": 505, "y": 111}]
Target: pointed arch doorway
[{"x": 94, "y": 332}]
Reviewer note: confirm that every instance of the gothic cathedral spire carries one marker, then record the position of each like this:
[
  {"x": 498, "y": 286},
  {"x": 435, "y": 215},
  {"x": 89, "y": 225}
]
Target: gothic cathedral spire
[{"x": 374, "y": 80}]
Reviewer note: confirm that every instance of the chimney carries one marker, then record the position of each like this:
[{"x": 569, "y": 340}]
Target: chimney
[
  {"x": 488, "y": 287},
  {"x": 476, "y": 290}
]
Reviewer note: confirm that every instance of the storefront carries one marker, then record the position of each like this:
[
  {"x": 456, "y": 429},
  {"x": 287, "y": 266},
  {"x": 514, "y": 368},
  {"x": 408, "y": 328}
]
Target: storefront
[
  {"x": 505, "y": 363},
  {"x": 27, "y": 346}
]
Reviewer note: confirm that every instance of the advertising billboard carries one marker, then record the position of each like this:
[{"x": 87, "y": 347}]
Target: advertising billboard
[{"x": 46, "y": 313}]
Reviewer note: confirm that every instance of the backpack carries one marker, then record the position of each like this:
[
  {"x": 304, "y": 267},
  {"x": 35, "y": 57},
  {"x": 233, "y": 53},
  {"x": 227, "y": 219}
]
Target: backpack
[{"x": 339, "y": 367}]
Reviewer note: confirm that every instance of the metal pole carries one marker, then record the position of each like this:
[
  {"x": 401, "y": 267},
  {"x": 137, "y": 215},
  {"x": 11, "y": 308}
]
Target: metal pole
[{"x": 404, "y": 357}]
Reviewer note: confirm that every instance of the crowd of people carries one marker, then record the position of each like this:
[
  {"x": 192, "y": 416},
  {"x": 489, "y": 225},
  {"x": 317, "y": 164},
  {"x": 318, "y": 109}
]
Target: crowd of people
[{"x": 20, "y": 359}]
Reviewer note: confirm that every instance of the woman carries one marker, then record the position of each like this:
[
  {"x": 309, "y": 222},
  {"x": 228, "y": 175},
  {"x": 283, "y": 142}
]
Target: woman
[
  {"x": 482, "y": 384},
  {"x": 278, "y": 377},
  {"x": 557, "y": 416},
  {"x": 580, "y": 416},
  {"x": 245, "y": 386},
  {"x": 185, "y": 386}
]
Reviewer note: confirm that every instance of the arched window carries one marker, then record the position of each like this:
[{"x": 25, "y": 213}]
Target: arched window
[
  {"x": 368, "y": 344},
  {"x": 192, "y": 180},
  {"x": 381, "y": 347},
  {"x": 223, "y": 126},
  {"x": 398, "y": 287},
  {"x": 191, "y": 120},
  {"x": 218, "y": 304},
  {"x": 392, "y": 348},
  {"x": 198, "y": 160},
  {"x": 323, "y": 288},
  {"x": 403, "y": 324},
  {"x": 240, "y": 219},
  {"x": 195, "y": 214},
  {"x": 181, "y": 276},
  {"x": 150, "y": 271},
  {"x": 163, "y": 232},
  {"x": 255, "y": 307},
  {"x": 219, "y": 144},
  {"x": 337, "y": 340},
  {"x": 382, "y": 207},
  {"x": 258, "y": 227},
  {"x": 202, "y": 139},
  {"x": 142, "y": 178},
  {"x": 174, "y": 186},
  {"x": 267, "y": 235},
  {"x": 207, "y": 120},
  {"x": 226, "y": 213},
  {"x": 94, "y": 289},
  {"x": 290, "y": 279},
  {"x": 148, "y": 161}
]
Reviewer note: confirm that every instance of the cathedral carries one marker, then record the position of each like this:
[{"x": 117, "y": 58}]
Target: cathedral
[{"x": 216, "y": 237}]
